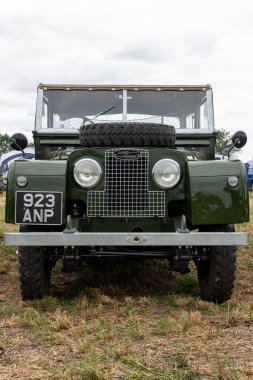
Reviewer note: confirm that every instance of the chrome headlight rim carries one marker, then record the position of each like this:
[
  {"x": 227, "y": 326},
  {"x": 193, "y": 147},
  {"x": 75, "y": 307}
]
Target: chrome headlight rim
[
  {"x": 169, "y": 162},
  {"x": 97, "y": 176}
]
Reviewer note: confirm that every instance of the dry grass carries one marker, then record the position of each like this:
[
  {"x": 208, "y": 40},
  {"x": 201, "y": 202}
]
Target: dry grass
[{"x": 138, "y": 322}]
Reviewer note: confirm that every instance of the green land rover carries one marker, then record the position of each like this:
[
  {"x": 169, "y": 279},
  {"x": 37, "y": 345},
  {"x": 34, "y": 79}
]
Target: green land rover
[{"x": 126, "y": 171}]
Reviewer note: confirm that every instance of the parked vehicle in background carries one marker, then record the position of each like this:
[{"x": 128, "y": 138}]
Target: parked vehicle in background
[
  {"x": 126, "y": 171},
  {"x": 7, "y": 158},
  {"x": 249, "y": 171}
]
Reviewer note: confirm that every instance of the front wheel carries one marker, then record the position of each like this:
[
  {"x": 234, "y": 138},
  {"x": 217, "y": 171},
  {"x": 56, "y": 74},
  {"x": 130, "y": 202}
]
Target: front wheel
[
  {"x": 34, "y": 272},
  {"x": 216, "y": 275}
]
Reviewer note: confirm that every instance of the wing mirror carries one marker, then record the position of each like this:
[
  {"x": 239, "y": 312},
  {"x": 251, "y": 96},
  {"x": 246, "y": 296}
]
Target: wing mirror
[
  {"x": 239, "y": 140},
  {"x": 18, "y": 141}
]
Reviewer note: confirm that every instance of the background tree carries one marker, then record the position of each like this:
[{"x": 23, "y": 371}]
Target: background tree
[
  {"x": 4, "y": 143},
  {"x": 223, "y": 142}
]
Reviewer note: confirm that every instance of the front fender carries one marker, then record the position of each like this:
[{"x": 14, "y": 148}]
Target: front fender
[
  {"x": 42, "y": 176},
  {"x": 210, "y": 200}
]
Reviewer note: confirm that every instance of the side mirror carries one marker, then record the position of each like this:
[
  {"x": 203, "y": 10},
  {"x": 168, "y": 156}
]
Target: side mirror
[
  {"x": 18, "y": 141},
  {"x": 239, "y": 139}
]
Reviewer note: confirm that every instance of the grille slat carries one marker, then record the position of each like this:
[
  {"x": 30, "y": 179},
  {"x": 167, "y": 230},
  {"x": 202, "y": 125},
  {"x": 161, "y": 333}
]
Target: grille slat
[{"x": 126, "y": 188}]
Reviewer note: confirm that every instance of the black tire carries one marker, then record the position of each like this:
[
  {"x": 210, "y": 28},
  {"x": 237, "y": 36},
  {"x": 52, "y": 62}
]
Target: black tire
[
  {"x": 34, "y": 273},
  {"x": 127, "y": 134},
  {"x": 35, "y": 269},
  {"x": 216, "y": 275}
]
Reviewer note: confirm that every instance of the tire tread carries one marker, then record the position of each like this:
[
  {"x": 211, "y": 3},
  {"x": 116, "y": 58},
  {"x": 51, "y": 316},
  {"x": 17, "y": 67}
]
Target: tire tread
[
  {"x": 127, "y": 134},
  {"x": 218, "y": 287}
]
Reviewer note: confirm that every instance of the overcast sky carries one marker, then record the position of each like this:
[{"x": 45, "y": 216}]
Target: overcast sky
[{"x": 133, "y": 41}]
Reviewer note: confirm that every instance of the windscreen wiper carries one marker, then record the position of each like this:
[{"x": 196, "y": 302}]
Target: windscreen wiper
[{"x": 101, "y": 113}]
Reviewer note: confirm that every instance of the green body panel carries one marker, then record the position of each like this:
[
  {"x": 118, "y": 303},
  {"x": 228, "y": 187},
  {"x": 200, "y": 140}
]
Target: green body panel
[
  {"x": 209, "y": 198},
  {"x": 169, "y": 223},
  {"x": 42, "y": 176},
  {"x": 202, "y": 194}
]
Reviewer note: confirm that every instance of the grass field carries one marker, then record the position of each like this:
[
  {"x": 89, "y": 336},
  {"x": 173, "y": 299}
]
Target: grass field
[{"x": 139, "y": 322}]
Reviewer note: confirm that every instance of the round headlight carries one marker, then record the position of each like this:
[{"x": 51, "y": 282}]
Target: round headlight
[
  {"x": 166, "y": 173},
  {"x": 87, "y": 173}
]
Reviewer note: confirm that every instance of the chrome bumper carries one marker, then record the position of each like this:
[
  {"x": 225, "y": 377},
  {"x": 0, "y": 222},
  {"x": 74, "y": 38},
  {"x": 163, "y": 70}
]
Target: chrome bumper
[{"x": 126, "y": 239}]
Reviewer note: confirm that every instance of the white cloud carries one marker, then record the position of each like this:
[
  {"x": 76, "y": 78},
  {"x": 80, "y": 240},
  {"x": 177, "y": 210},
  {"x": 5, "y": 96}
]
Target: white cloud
[{"x": 145, "y": 41}]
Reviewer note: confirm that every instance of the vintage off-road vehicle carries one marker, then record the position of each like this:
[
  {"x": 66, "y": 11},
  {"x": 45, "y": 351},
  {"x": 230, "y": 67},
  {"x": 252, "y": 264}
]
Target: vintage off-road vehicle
[{"x": 126, "y": 171}]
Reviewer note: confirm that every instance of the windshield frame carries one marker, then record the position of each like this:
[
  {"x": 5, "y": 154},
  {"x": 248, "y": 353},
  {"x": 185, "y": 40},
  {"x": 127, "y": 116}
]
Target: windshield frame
[{"x": 208, "y": 90}]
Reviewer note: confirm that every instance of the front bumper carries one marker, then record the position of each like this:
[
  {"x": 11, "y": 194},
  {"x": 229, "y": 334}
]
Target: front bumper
[{"x": 126, "y": 239}]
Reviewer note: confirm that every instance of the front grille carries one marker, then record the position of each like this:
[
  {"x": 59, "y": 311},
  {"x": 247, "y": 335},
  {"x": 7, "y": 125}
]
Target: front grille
[
  {"x": 126, "y": 187},
  {"x": 126, "y": 181}
]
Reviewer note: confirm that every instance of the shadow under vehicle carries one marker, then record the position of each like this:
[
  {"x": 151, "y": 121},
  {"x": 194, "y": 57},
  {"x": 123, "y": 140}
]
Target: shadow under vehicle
[{"x": 126, "y": 171}]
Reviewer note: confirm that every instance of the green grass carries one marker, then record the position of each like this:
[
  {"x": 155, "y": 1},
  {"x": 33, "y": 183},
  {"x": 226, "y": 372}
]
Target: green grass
[
  {"x": 80, "y": 369},
  {"x": 135, "y": 322},
  {"x": 180, "y": 369}
]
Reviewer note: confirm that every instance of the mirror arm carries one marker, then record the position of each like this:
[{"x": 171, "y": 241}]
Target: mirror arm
[{"x": 232, "y": 146}]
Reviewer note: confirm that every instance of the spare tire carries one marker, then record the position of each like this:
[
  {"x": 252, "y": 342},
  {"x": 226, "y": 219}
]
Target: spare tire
[{"x": 127, "y": 134}]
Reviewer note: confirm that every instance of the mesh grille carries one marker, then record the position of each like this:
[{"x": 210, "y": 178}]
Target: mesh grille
[{"x": 126, "y": 187}]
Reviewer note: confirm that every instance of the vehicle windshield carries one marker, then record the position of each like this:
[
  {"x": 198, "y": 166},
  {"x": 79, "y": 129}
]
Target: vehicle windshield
[{"x": 188, "y": 110}]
